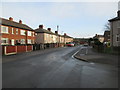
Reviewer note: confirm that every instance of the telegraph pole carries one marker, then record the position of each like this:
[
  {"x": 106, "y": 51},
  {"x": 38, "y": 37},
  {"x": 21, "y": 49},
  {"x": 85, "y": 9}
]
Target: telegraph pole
[{"x": 58, "y": 35}]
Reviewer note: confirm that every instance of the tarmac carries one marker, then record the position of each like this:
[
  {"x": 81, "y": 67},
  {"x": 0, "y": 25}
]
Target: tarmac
[{"x": 88, "y": 54}]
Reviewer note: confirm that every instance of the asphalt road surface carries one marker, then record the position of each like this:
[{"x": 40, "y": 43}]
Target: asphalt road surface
[{"x": 56, "y": 68}]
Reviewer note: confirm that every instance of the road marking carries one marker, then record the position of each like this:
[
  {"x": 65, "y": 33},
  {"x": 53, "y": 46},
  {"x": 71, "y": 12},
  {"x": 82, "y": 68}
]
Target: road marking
[
  {"x": 74, "y": 54},
  {"x": 92, "y": 63}
]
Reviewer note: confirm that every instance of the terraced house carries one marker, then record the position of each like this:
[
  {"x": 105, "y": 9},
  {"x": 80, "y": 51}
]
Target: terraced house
[
  {"x": 16, "y": 36},
  {"x": 44, "y": 36},
  {"x": 14, "y": 33},
  {"x": 67, "y": 38}
]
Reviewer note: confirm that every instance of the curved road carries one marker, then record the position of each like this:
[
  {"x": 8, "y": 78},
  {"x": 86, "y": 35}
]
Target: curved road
[{"x": 56, "y": 68}]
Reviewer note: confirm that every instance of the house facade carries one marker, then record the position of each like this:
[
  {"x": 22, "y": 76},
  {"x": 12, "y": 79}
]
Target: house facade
[
  {"x": 14, "y": 33},
  {"x": 99, "y": 37},
  {"x": 115, "y": 30},
  {"x": 107, "y": 36},
  {"x": 44, "y": 36},
  {"x": 67, "y": 38}
]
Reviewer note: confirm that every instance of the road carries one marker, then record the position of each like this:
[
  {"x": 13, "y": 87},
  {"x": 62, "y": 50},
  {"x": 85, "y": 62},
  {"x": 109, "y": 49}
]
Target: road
[{"x": 57, "y": 68}]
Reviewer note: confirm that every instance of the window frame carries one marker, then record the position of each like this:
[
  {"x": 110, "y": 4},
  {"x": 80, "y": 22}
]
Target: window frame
[
  {"x": 6, "y": 28},
  {"x": 6, "y": 43},
  {"x": 22, "y": 33}
]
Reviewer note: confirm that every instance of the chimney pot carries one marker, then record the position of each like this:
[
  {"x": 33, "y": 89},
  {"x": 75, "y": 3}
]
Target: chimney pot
[
  {"x": 11, "y": 19},
  {"x": 20, "y": 21},
  {"x": 49, "y": 29},
  {"x": 65, "y": 34},
  {"x": 41, "y": 26},
  {"x": 56, "y": 32}
]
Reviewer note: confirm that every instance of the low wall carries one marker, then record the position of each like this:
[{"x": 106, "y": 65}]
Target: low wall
[{"x": 8, "y": 50}]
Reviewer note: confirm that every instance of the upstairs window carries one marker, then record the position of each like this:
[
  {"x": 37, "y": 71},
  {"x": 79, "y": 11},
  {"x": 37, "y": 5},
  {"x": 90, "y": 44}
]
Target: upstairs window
[
  {"x": 16, "y": 31},
  {"x": 22, "y": 32},
  {"x": 12, "y": 30},
  {"x": 4, "y": 29},
  {"x": 29, "y": 33}
]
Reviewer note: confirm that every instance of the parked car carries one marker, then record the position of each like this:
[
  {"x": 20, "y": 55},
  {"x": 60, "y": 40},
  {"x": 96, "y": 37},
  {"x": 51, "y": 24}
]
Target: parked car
[
  {"x": 85, "y": 45},
  {"x": 70, "y": 44}
]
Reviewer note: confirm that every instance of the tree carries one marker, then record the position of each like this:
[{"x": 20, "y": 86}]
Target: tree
[
  {"x": 107, "y": 26},
  {"x": 89, "y": 41}
]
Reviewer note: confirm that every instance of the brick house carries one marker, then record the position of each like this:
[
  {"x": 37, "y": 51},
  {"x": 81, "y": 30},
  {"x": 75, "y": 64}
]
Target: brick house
[
  {"x": 115, "y": 30},
  {"x": 14, "y": 33},
  {"x": 16, "y": 37}
]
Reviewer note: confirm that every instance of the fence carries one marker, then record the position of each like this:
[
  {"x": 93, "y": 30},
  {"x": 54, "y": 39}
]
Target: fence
[{"x": 8, "y": 50}]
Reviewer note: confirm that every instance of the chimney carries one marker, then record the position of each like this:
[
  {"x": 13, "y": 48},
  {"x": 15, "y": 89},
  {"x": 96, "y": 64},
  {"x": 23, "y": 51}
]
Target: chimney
[
  {"x": 118, "y": 13},
  {"x": 49, "y": 29},
  {"x": 11, "y": 19},
  {"x": 41, "y": 26},
  {"x": 56, "y": 32},
  {"x": 20, "y": 21},
  {"x": 65, "y": 34}
]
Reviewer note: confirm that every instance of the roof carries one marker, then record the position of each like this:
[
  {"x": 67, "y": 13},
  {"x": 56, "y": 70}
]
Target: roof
[
  {"x": 106, "y": 33},
  {"x": 66, "y": 36},
  {"x": 40, "y": 30},
  {"x": 14, "y": 24},
  {"x": 114, "y": 19},
  {"x": 98, "y": 36}
]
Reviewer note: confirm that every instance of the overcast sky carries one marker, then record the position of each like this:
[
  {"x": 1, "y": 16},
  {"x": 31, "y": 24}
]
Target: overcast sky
[{"x": 77, "y": 19}]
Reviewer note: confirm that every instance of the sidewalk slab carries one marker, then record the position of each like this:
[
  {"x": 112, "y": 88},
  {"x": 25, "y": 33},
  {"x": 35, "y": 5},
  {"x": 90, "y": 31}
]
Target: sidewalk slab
[{"x": 93, "y": 56}]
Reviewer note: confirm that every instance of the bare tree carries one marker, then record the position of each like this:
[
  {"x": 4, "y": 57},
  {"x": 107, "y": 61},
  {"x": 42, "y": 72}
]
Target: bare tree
[{"x": 107, "y": 26}]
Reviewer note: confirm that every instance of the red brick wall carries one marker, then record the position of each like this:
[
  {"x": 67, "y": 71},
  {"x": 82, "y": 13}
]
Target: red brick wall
[
  {"x": 21, "y": 48},
  {"x": 10, "y": 49},
  {"x": 29, "y": 48},
  {"x": 16, "y": 36}
]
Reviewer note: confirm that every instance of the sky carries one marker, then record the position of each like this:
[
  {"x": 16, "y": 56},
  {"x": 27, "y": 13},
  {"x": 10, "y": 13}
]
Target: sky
[{"x": 77, "y": 19}]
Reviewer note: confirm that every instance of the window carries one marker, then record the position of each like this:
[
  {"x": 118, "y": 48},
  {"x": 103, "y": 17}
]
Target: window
[
  {"x": 22, "y": 41},
  {"x": 29, "y": 41},
  {"x": 22, "y": 32},
  {"x": 4, "y": 41},
  {"x": 16, "y": 31},
  {"x": 29, "y": 33},
  {"x": 4, "y": 29},
  {"x": 117, "y": 37},
  {"x": 12, "y": 30}
]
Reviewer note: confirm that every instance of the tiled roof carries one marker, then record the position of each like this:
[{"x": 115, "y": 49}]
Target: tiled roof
[
  {"x": 66, "y": 36},
  {"x": 14, "y": 24},
  {"x": 40, "y": 30}
]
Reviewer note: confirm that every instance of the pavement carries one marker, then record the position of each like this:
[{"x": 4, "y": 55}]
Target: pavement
[
  {"x": 88, "y": 54},
  {"x": 56, "y": 68}
]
